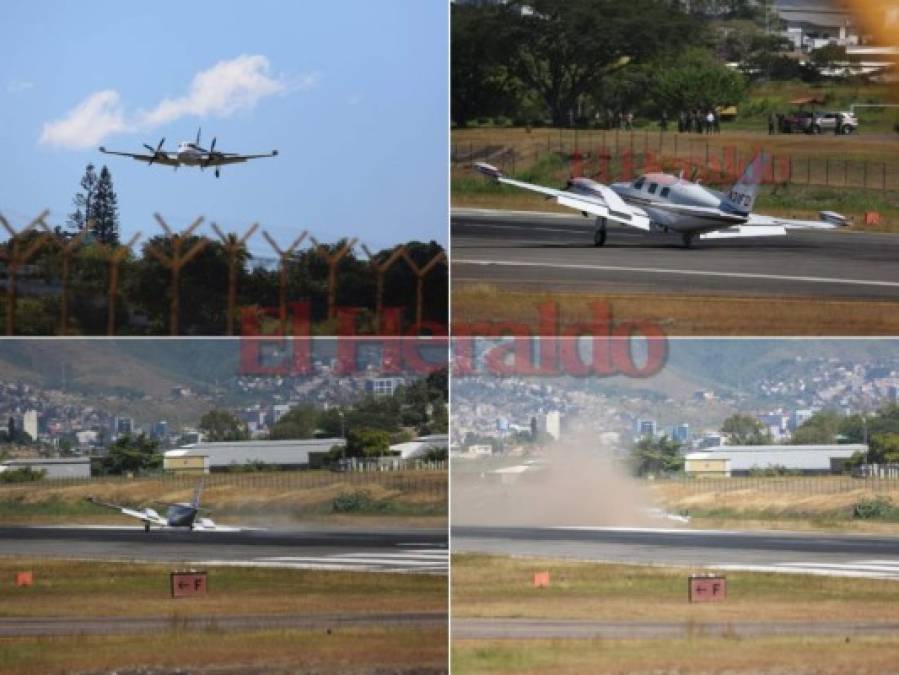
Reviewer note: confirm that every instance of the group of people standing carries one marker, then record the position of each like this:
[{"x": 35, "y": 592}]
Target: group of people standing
[{"x": 697, "y": 121}]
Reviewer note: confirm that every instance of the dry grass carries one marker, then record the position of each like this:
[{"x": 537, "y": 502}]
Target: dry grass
[
  {"x": 354, "y": 650},
  {"x": 797, "y": 503},
  {"x": 245, "y": 497},
  {"x": 777, "y": 656},
  {"x": 480, "y": 303},
  {"x": 77, "y": 589},
  {"x": 495, "y": 586}
]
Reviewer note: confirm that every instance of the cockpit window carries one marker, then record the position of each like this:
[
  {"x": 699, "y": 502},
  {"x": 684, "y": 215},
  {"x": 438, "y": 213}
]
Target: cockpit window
[
  {"x": 638, "y": 184},
  {"x": 666, "y": 191},
  {"x": 653, "y": 187}
]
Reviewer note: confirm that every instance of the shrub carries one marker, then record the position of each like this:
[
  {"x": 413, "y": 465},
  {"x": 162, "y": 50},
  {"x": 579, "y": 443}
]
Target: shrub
[{"x": 876, "y": 507}]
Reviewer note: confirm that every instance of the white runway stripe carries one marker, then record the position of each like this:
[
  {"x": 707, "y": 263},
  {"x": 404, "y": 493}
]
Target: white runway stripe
[
  {"x": 422, "y": 561},
  {"x": 861, "y": 569}
]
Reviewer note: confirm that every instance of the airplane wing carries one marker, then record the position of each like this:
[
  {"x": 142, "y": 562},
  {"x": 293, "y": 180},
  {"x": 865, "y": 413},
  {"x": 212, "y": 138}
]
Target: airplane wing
[
  {"x": 829, "y": 220},
  {"x": 222, "y": 158},
  {"x": 146, "y": 515},
  {"x": 605, "y": 205},
  {"x": 161, "y": 158}
]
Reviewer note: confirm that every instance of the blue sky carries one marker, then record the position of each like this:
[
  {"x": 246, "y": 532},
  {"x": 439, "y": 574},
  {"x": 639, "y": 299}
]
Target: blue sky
[{"x": 353, "y": 95}]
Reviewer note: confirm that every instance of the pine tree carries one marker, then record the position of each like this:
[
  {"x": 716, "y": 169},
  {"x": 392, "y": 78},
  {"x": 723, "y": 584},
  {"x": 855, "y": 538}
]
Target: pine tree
[
  {"x": 106, "y": 210},
  {"x": 84, "y": 202}
]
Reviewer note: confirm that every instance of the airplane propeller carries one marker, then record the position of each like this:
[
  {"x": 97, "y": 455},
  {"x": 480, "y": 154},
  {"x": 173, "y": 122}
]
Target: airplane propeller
[{"x": 154, "y": 151}]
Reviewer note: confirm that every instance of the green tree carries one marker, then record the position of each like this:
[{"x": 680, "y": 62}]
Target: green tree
[
  {"x": 221, "y": 425},
  {"x": 822, "y": 427},
  {"x": 745, "y": 430},
  {"x": 367, "y": 443},
  {"x": 565, "y": 49},
  {"x": 106, "y": 210},
  {"x": 657, "y": 456},
  {"x": 130, "y": 454},
  {"x": 84, "y": 202},
  {"x": 697, "y": 81},
  {"x": 299, "y": 422}
]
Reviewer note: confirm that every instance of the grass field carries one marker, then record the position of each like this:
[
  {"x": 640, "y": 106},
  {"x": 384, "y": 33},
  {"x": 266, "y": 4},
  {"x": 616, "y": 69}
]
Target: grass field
[
  {"x": 480, "y": 304},
  {"x": 81, "y": 589},
  {"x": 494, "y": 586},
  {"x": 775, "y": 656},
  {"x": 799, "y": 503},
  {"x": 412, "y": 496}
]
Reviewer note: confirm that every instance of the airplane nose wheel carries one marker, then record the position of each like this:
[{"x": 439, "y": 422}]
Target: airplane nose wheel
[
  {"x": 688, "y": 239},
  {"x": 599, "y": 232},
  {"x": 218, "y": 174},
  {"x": 146, "y": 527}
]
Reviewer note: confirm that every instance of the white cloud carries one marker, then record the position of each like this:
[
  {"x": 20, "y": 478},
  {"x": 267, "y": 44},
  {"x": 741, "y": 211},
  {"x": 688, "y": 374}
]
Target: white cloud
[
  {"x": 98, "y": 116},
  {"x": 17, "y": 86},
  {"x": 224, "y": 89}
]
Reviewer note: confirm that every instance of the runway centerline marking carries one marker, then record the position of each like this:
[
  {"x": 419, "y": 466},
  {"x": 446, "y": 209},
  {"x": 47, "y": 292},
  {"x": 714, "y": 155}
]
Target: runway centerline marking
[{"x": 697, "y": 273}]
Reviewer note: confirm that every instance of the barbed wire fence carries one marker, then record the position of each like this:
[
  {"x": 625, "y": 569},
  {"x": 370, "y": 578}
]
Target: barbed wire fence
[{"x": 22, "y": 246}]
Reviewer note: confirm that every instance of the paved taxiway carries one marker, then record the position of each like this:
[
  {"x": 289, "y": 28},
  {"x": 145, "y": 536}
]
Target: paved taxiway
[
  {"x": 554, "y": 252},
  {"x": 394, "y": 550},
  {"x": 768, "y": 551}
]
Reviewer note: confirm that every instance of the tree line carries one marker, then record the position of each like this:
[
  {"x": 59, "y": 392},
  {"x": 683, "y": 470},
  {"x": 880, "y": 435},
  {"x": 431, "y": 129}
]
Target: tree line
[
  {"x": 880, "y": 431},
  {"x": 585, "y": 62},
  {"x": 370, "y": 426}
]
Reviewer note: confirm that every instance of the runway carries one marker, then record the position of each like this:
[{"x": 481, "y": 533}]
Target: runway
[
  {"x": 844, "y": 555},
  {"x": 409, "y": 551},
  {"x": 554, "y": 252}
]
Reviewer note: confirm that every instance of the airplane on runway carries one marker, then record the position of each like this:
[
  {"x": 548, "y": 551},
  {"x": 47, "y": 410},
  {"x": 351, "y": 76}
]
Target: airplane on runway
[
  {"x": 189, "y": 154},
  {"x": 660, "y": 202},
  {"x": 179, "y": 515}
]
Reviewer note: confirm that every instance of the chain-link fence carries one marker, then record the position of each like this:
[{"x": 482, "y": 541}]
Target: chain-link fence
[
  {"x": 614, "y": 155},
  {"x": 184, "y": 282},
  {"x": 799, "y": 485}
]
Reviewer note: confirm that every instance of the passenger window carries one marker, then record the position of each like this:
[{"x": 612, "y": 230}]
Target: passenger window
[
  {"x": 665, "y": 191},
  {"x": 653, "y": 187},
  {"x": 638, "y": 184}
]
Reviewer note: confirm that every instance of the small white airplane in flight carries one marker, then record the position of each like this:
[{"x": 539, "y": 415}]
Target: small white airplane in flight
[
  {"x": 660, "y": 202},
  {"x": 180, "y": 515},
  {"x": 189, "y": 154}
]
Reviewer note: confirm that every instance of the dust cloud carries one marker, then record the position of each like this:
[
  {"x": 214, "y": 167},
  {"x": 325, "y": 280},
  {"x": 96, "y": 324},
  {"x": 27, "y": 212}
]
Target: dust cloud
[{"x": 572, "y": 482}]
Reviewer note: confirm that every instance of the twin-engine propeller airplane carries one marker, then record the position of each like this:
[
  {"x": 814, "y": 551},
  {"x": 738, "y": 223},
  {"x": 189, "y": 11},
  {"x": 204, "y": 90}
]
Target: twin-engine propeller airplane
[
  {"x": 180, "y": 515},
  {"x": 660, "y": 202},
  {"x": 189, "y": 154}
]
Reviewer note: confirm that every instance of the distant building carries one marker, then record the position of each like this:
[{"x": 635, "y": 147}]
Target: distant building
[
  {"x": 419, "y": 447},
  {"x": 383, "y": 386},
  {"x": 53, "y": 468},
  {"x": 736, "y": 460},
  {"x": 123, "y": 426},
  {"x": 480, "y": 450},
  {"x": 811, "y": 24},
  {"x": 30, "y": 423},
  {"x": 160, "y": 429},
  {"x": 290, "y": 454},
  {"x": 278, "y": 411},
  {"x": 646, "y": 427},
  {"x": 680, "y": 433},
  {"x": 552, "y": 424},
  {"x": 712, "y": 440},
  {"x": 798, "y": 417}
]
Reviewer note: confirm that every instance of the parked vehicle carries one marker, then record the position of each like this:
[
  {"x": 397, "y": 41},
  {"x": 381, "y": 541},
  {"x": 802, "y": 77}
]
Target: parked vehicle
[
  {"x": 801, "y": 121},
  {"x": 835, "y": 122}
]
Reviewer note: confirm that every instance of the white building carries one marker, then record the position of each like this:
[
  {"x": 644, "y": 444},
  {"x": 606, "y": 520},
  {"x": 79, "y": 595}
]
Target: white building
[
  {"x": 208, "y": 456},
  {"x": 29, "y": 423},
  {"x": 419, "y": 447},
  {"x": 733, "y": 460},
  {"x": 53, "y": 468},
  {"x": 552, "y": 424}
]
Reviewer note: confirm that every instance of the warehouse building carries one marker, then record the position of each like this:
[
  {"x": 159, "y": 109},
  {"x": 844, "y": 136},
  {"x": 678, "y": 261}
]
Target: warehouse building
[
  {"x": 204, "y": 457},
  {"x": 741, "y": 460},
  {"x": 53, "y": 468},
  {"x": 419, "y": 447}
]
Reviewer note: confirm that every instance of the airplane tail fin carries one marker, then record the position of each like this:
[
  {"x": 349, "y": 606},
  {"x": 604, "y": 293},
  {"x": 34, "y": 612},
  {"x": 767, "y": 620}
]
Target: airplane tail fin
[
  {"x": 198, "y": 492},
  {"x": 741, "y": 197}
]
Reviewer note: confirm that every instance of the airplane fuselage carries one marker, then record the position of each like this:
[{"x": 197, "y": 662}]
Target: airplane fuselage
[
  {"x": 181, "y": 515},
  {"x": 660, "y": 194},
  {"x": 189, "y": 154}
]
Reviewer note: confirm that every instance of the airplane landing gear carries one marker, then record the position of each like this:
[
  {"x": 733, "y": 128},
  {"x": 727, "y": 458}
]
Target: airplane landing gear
[
  {"x": 146, "y": 527},
  {"x": 599, "y": 232},
  {"x": 218, "y": 174},
  {"x": 688, "y": 238}
]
